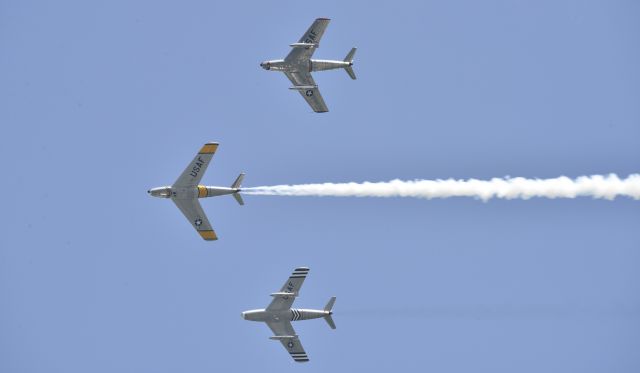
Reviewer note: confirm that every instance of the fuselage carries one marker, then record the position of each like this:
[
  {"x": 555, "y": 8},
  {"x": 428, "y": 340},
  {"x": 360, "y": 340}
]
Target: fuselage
[
  {"x": 300, "y": 66},
  {"x": 292, "y": 314},
  {"x": 199, "y": 191}
]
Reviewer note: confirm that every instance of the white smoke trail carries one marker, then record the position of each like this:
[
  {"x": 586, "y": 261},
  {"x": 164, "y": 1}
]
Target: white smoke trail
[{"x": 595, "y": 186}]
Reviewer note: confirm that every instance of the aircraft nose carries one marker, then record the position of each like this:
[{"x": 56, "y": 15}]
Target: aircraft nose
[
  {"x": 243, "y": 315},
  {"x": 149, "y": 191}
]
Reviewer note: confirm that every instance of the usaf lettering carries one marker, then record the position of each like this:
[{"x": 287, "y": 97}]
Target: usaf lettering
[
  {"x": 196, "y": 168},
  {"x": 311, "y": 37}
]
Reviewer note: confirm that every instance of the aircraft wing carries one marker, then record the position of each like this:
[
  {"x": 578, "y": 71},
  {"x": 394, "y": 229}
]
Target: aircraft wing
[
  {"x": 192, "y": 175},
  {"x": 311, "y": 36},
  {"x": 310, "y": 91},
  {"x": 193, "y": 212},
  {"x": 291, "y": 342},
  {"x": 289, "y": 291}
]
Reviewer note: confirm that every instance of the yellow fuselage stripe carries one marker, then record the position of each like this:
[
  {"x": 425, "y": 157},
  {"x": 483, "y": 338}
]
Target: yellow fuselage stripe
[{"x": 202, "y": 191}]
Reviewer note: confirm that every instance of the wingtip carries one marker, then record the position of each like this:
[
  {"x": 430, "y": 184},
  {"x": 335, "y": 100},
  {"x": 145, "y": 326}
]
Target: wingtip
[
  {"x": 208, "y": 235},
  {"x": 209, "y": 148},
  {"x": 323, "y": 19}
]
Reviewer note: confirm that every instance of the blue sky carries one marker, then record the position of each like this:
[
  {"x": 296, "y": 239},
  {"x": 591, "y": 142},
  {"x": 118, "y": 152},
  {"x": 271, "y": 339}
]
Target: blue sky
[{"x": 101, "y": 101}]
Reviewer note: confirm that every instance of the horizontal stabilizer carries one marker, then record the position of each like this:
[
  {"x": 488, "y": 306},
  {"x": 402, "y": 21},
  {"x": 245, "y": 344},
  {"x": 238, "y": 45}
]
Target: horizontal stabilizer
[
  {"x": 330, "y": 304},
  {"x": 349, "y": 57},
  {"x": 280, "y": 337},
  {"x": 238, "y": 183},
  {"x": 350, "y": 71},
  {"x": 303, "y": 87},
  {"x": 329, "y": 321},
  {"x": 238, "y": 198}
]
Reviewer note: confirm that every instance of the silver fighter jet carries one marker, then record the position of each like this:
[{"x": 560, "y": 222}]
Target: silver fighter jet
[
  {"x": 279, "y": 314},
  {"x": 186, "y": 191},
  {"x": 298, "y": 65}
]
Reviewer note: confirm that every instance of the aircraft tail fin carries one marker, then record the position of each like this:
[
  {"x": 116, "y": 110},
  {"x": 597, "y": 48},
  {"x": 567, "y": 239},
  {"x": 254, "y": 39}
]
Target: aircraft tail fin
[
  {"x": 236, "y": 185},
  {"x": 328, "y": 317},
  {"x": 349, "y": 58}
]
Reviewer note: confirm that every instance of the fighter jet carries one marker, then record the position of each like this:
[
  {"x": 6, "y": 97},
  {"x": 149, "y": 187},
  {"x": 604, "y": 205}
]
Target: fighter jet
[
  {"x": 298, "y": 65},
  {"x": 279, "y": 314},
  {"x": 186, "y": 191}
]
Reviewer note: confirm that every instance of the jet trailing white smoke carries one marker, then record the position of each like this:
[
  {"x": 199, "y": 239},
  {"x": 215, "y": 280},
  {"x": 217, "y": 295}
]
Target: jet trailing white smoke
[{"x": 595, "y": 186}]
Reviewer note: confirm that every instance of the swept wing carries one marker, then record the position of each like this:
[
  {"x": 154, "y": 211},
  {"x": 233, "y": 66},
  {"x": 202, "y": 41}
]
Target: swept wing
[
  {"x": 311, "y": 36},
  {"x": 192, "y": 175},
  {"x": 304, "y": 83},
  {"x": 290, "y": 341},
  {"x": 193, "y": 212},
  {"x": 289, "y": 291}
]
